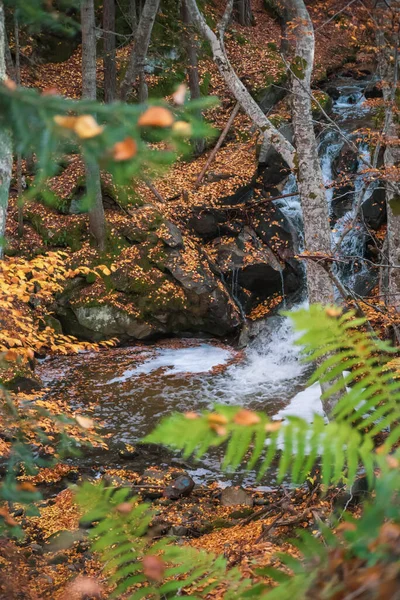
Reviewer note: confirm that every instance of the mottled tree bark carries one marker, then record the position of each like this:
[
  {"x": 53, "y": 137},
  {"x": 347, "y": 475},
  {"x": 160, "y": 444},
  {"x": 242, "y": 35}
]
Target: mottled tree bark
[
  {"x": 5, "y": 143},
  {"x": 317, "y": 234},
  {"x": 192, "y": 48},
  {"x": 109, "y": 64},
  {"x": 137, "y": 58},
  {"x": 314, "y": 205},
  {"x": 387, "y": 16},
  {"x": 97, "y": 226},
  {"x": 237, "y": 88}
]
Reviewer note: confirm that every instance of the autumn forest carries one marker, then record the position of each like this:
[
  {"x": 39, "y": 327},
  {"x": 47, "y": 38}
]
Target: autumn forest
[{"x": 199, "y": 299}]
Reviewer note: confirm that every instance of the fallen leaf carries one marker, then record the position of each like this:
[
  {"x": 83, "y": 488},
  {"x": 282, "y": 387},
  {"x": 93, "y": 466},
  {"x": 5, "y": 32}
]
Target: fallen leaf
[
  {"x": 180, "y": 94},
  {"x": 84, "y": 422},
  {"x": 182, "y": 128},
  {"x": 86, "y": 127},
  {"x": 153, "y": 567},
  {"x": 246, "y": 417},
  {"x": 156, "y": 116},
  {"x": 124, "y": 150}
]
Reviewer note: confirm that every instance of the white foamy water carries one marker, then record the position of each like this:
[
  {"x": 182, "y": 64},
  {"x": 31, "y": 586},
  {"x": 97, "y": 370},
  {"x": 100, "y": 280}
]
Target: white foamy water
[{"x": 199, "y": 359}]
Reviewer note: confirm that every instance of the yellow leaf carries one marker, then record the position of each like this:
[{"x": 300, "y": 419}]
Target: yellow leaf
[{"x": 86, "y": 127}]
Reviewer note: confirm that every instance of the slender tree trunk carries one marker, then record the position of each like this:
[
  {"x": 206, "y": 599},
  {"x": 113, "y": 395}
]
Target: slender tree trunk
[
  {"x": 192, "y": 48},
  {"x": 244, "y": 12},
  {"x": 314, "y": 205},
  {"x": 5, "y": 143},
  {"x": 388, "y": 39},
  {"x": 137, "y": 58},
  {"x": 242, "y": 95},
  {"x": 109, "y": 64},
  {"x": 97, "y": 227},
  {"x": 317, "y": 234},
  {"x": 133, "y": 16},
  {"x": 8, "y": 58},
  {"x": 19, "y": 157}
]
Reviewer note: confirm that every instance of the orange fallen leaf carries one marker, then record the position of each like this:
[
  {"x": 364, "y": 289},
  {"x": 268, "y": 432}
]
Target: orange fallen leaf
[
  {"x": 124, "y": 150},
  {"x": 156, "y": 116},
  {"x": 10, "y": 84},
  {"x": 217, "y": 419},
  {"x": 273, "y": 426},
  {"x": 246, "y": 417},
  {"x": 66, "y": 122}
]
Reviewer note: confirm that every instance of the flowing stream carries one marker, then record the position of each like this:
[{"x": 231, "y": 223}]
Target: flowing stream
[{"x": 130, "y": 389}]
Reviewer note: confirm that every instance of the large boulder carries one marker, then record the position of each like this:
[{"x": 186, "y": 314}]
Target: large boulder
[{"x": 161, "y": 286}]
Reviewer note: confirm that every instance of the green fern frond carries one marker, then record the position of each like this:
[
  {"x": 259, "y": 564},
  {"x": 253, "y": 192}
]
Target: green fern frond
[
  {"x": 119, "y": 537},
  {"x": 370, "y": 405}
]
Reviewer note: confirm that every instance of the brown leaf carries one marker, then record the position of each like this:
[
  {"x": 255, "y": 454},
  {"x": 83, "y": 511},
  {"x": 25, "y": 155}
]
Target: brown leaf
[
  {"x": 153, "y": 567},
  {"x": 124, "y": 150},
  {"x": 156, "y": 116},
  {"x": 124, "y": 508},
  {"x": 83, "y": 586},
  {"x": 246, "y": 417}
]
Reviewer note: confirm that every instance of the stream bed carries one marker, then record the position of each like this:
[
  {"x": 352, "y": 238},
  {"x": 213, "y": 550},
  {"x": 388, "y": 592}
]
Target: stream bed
[{"x": 128, "y": 390}]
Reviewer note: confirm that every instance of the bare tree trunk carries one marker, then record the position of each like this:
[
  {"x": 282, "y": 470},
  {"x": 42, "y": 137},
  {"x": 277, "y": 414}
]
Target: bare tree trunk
[
  {"x": 317, "y": 234},
  {"x": 5, "y": 143},
  {"x": 137, "y": 58},
  {"x": 242, "y": 95},
  {"x": 8, "y": 58},
  {"x": 244, "y": 12},
  {"x": 110, "y": 69},
  {"x": 133, "y": 16},
  {"x": 19, "y": 157},
  {"x": 388, "y": 38},
  {"x": 192, "y": 48},
  {"x": 314, "y": 205},
  {"x": 97, "y": 226}
]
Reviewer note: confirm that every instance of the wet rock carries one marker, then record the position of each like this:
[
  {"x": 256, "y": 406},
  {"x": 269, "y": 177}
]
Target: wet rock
[
  {"x": 180, "y": 487},
  {"x": 64, "y": 539},
  {"x": 179, "y": 531},
  {"x": 155, "y": 474},
  {"x": 26, "y": 381},
  {"x": 235, "y": 496},
  {"x": 170, "y": 235},
  {"x": 36, "y": 549},
  {"x": 273, "y": 167},
  {"x": 374, "y": 208},
  {"x": 346, "y": 162},
  {"x": 373, "y": 91}
]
